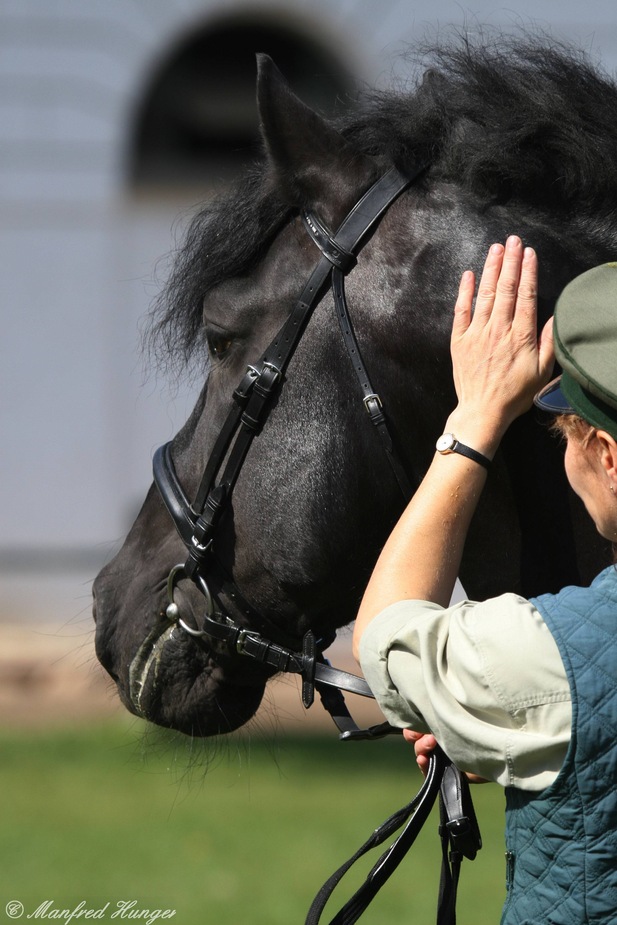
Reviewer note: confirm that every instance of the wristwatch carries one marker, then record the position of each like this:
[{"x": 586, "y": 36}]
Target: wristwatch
[{"x": 448, "y": 443}]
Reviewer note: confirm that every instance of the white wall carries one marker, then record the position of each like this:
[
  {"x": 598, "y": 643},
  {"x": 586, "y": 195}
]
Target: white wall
[{"x": 78, "y": 253}]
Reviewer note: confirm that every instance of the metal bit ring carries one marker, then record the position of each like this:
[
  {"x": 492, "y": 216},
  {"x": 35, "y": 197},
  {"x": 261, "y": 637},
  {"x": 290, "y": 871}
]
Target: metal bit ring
[{"x": 173, "y": 611}]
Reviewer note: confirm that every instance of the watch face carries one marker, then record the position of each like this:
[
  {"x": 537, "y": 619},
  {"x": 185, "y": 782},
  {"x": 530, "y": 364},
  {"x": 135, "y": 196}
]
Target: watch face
[{"x": 445, "y": 443}]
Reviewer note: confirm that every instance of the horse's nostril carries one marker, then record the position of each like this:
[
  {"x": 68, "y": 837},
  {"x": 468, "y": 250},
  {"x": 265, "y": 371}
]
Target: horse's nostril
[
  {"x": 100, "y": 597},
  {"x": 94, "y": 603}
]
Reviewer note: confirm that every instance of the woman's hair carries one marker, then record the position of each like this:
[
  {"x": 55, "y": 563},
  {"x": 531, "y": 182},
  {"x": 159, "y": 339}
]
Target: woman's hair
[{"x": 574, "y": 427}]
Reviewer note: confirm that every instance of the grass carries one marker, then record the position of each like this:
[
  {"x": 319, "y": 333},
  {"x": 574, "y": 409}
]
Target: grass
[{"x": 243, "y": 834}]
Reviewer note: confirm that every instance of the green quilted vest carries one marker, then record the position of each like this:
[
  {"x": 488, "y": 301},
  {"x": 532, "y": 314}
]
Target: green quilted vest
[{"x": 562, "y": 842}]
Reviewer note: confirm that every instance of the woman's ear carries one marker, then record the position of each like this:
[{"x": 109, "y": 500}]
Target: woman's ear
[{"x": 608, "y": 456}]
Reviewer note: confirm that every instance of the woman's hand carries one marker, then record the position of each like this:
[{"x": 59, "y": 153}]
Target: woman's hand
[
  {"x": 424, "y": 743},
  {"x": 499, "y": 362}
]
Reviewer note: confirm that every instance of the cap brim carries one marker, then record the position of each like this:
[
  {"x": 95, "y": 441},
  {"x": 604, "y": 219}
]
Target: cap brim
[{"x": 552, "y": 399}]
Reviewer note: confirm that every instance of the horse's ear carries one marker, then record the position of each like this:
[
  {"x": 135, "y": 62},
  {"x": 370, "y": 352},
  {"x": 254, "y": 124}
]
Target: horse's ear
[{"x": 311, "y": 161}]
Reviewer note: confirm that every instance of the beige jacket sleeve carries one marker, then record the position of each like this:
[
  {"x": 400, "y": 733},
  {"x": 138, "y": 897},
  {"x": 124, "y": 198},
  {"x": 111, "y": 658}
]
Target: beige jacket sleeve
[{"x": 486, "y": 678}]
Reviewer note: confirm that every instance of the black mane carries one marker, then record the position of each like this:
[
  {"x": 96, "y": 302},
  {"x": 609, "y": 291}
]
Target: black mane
[
  {"x": 517, "y": 120},
  {"x": 522, "y": 121}
]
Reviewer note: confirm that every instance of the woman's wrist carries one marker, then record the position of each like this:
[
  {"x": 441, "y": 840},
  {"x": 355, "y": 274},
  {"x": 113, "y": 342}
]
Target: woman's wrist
[{"x": 476, "y": 430}]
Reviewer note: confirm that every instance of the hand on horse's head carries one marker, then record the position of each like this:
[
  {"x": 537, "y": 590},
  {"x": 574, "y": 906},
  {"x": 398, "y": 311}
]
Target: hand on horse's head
[{"x": 499, "y": 361}]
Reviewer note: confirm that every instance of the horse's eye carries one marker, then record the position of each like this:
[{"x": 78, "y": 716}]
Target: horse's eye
[{"x": 219, "y": 344}]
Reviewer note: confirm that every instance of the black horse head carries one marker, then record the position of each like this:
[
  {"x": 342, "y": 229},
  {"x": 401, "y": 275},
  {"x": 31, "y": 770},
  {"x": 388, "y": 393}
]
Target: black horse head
[{"x": 521, "y": 140}]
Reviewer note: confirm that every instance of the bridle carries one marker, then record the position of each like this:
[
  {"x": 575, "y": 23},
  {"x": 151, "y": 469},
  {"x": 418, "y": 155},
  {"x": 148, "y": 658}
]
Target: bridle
[{"x": 196, "y": 524}]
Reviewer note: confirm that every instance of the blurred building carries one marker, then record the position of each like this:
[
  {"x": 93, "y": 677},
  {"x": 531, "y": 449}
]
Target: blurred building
[{"x": 117, "y": 116}]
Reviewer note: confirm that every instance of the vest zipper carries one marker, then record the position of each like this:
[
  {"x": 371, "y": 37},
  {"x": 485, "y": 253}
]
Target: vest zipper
[
  {"x": 509, "y": 885},
  {"x": 509, "y": 870}
]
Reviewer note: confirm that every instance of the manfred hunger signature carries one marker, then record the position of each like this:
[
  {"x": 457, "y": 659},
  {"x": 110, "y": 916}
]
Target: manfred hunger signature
[{"x": 123, "y": 910}]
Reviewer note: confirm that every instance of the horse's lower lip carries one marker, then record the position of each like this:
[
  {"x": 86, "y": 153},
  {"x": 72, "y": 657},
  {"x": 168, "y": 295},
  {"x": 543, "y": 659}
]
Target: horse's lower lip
[
  {"x": 202, "y": 702},
  {"x": 144, "y": 667}
]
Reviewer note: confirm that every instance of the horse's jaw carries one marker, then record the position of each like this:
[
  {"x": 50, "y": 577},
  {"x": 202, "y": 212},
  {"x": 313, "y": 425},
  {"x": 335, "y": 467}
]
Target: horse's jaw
[{"x": 162, "y": 674}]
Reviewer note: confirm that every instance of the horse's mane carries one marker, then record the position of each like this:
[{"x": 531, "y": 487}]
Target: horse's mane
[
  {"x": 525, "y": 121},
  {"x": 521, "y": 120}
]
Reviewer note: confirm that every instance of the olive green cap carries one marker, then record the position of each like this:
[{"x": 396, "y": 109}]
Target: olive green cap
[{"x": 585, "y": 331}]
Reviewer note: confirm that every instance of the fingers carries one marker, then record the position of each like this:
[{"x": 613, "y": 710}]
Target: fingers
[
  {"x": 424, "y": 742},
  {"x": 424, "y": 748},
  {"x": 496, "y": 360},
  {"x": 507, "y": 288},
  {"x": 463, "y": 306},
  {"x": 527, "y": 293},
  {"x": 523, "y": 312},
  {"x": 546, "y": 351},
  {"x": 410, "y": 735},
  {"x": 487, "y": 288},
  {"x": 508, "y": 280}
]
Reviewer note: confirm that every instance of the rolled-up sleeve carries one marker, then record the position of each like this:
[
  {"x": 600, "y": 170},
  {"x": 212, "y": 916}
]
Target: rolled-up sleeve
[{"x": 485, "y": 678}]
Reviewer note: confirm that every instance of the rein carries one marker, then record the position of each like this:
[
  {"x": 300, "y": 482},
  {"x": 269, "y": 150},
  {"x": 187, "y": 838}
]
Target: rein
[{"x": 196, "y": 524}]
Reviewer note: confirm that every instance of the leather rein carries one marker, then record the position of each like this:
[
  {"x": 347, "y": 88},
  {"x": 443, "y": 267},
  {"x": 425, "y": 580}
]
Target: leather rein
[{"x": 196, "y": 524}]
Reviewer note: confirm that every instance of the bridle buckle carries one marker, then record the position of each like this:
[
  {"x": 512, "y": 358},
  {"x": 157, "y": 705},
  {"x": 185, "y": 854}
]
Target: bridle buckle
[
  {"x": 272, "y": 368},
  {"x": 201, "y": 548},
  {"x": 372, "y": 398},
  {"x": 241, "y": 639},
  {"x": 255, "y": 373}
]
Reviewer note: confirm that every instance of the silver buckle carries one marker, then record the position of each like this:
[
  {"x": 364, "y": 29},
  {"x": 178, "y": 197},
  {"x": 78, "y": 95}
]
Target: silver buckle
[
  {"x": 200, "y": 546},
  {"x": 275, "y": 370},
  {"x": 372, "y": 397}
]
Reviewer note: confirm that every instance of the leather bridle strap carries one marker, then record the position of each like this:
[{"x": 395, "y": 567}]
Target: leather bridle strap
[
  {"x": 343, "y": 261},
  {"x": 316, "y": 671},
  {"x": 415, "y": 815},
  {"x": 253, "y": 397},
  {"x": 371, "y": 400},
  {"x": 460, "y": 837}
]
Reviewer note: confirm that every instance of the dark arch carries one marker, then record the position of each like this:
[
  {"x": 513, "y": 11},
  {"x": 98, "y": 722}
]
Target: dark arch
[{"x": 197, "y": 120}]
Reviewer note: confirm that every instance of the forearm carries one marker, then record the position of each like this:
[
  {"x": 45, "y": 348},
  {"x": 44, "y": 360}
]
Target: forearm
[{"x": 421, "y": 559}]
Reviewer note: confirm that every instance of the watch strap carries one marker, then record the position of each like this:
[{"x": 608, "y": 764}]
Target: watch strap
[
  {"x": 467, "y": 451},
  {"x": 448, "y": 443}
]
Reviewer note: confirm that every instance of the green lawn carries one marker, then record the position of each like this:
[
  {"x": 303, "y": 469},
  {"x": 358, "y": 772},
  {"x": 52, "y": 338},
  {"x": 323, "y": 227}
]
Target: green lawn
[{"x": 245, "y": 834}]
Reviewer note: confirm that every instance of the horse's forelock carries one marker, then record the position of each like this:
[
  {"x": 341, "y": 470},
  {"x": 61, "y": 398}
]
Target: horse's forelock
[{"x": 225, "y": 238}]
